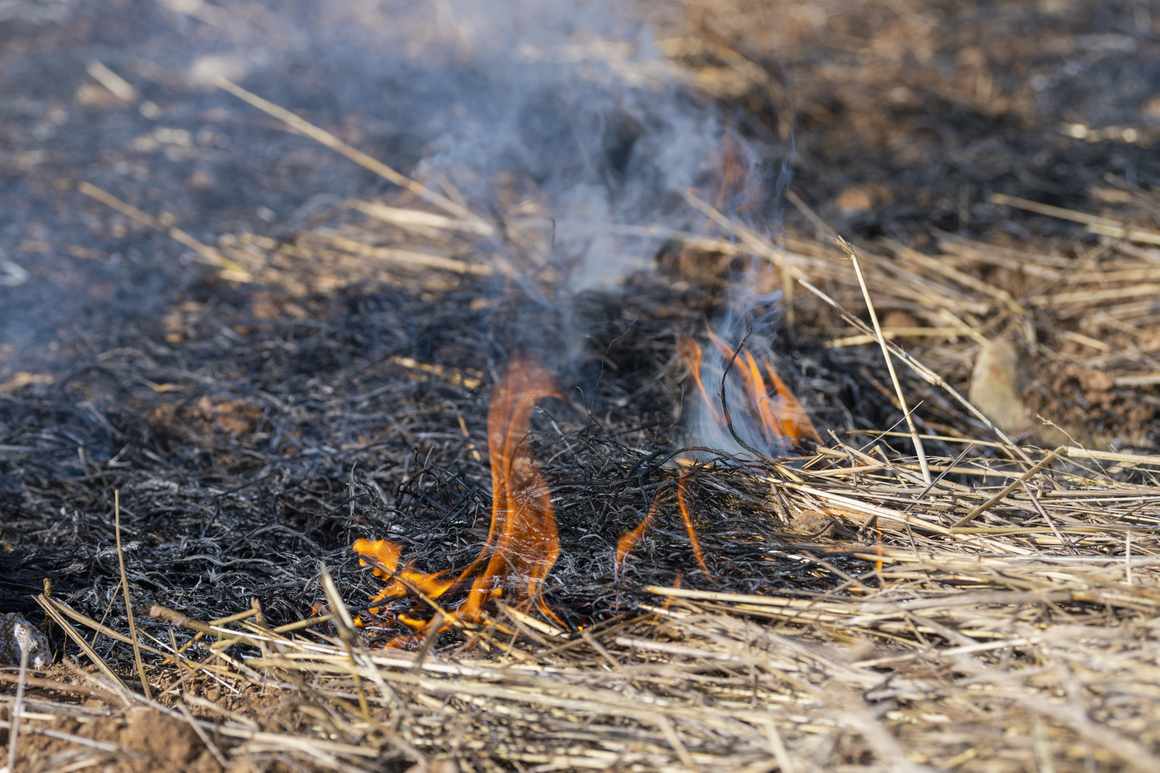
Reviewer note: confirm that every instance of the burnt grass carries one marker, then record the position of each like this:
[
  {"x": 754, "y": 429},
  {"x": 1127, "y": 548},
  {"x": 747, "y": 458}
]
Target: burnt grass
[
  {"x": 250, "y": 450},
  {"x": 253, "y": 436}
]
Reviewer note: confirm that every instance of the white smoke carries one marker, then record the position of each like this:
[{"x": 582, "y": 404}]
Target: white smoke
[{"x": 569, "y": 106}]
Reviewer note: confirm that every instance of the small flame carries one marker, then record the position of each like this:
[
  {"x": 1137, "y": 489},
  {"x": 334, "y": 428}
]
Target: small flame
[
  {"x": 682, "y": 503},
  {"x": 522, "y": 542},
  {"x": 632, "y": 538},
  {"x": 768, "y": 411}
]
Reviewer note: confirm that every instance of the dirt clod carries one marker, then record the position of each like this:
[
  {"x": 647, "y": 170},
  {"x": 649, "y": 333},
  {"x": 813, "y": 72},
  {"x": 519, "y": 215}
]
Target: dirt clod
[{"x": 160, "y": 737}]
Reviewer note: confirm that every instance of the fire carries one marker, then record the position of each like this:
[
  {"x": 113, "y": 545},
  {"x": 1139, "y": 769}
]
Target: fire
[
  {"x": 522, "y": 541},
  {"x": 630, "y": 540},
  {"x": 769, "y": 407},
  {"x": 767, "y": 412},
  {"x": 682, "y": 503}
]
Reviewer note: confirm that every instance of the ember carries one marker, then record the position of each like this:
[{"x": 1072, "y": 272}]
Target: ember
[{"x": 522, "y": 542}]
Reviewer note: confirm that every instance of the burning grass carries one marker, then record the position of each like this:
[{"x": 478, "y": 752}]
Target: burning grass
[
  {"x": 829, "y": 611},
  {"x": 522, "y": 543},
  {"x": 587, "y": 584},
  {"x": 896, "y": 645}
]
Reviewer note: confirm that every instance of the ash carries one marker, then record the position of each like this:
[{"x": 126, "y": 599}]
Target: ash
[{"x": 17, "y": 637}]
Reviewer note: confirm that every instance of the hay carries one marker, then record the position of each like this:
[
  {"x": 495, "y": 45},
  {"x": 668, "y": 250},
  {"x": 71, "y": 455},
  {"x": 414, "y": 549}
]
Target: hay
[{"x": 1043, "y": 618}]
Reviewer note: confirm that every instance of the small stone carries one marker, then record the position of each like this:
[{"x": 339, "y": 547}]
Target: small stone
[
  {"x": 995, "y": 385},
  {"x": 17, "y": 636},
  {"x": 899, "y": 319},
  {"x": 853, "y": 200},
  {"x": 162, "y": 737}
]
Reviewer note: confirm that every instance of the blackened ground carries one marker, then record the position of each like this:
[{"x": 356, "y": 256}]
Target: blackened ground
[{"x": 247, "y": 450}]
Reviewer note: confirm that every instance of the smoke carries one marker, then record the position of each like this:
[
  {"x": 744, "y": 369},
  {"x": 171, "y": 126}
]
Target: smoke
[
  {"x": 569, "y": 109},
  {"x": 561, "y": 120},
  {"x": 731, "y": 420},
  {"x": 570, "y": 106}
]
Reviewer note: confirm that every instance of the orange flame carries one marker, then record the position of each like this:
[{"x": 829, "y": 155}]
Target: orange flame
[
  {"x": 630, "y": 539},
  {"x": 522, "y": 541},
  {"x": 690, "y": 351},
  {"x": 682, "y": 495},
  {"x": 770, "y": 404}
]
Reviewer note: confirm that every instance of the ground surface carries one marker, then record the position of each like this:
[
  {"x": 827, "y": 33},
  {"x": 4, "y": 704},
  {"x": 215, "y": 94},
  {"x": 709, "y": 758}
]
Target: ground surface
[{"x": 257, "y": 428}]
